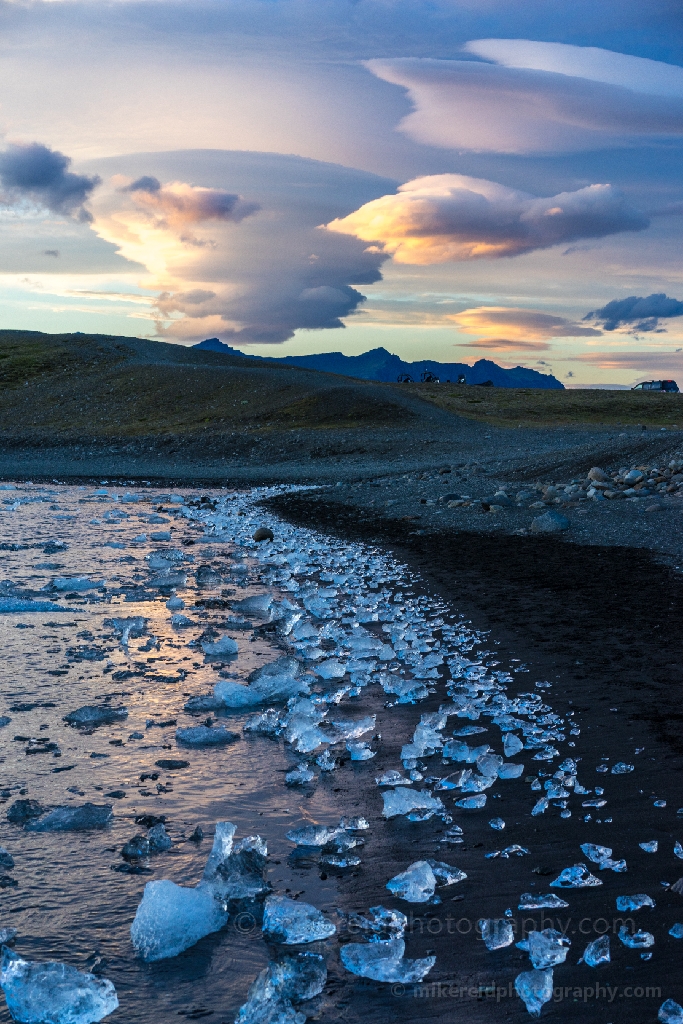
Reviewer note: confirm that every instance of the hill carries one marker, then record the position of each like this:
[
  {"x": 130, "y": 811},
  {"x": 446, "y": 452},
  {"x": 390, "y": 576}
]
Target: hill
[{"x": 380, "y": 365}]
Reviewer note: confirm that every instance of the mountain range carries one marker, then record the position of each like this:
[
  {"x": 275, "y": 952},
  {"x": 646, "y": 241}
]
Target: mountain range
[{"x": 378, "y": 364}]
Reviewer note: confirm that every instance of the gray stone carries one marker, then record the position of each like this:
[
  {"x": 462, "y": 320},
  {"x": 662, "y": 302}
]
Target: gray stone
[
  {"x": 597, "y": 474},
  {"x": 550, "y": 522}
]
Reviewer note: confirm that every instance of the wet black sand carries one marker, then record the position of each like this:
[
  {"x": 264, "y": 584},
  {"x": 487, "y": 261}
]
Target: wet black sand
[{"x": 603, "y": 625}]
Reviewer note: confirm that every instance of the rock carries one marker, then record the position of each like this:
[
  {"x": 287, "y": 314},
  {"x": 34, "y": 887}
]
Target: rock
[
  {"x": 633, "y": 477},
  {"x": 74, "y": 819},
  {"x": 171, "y": 764},
  {"x": 24, "y": 810},
  {"x": 550, "y": 522},
  {"x": 263, "y": 533},
  {"x": 597, "y": 474}
]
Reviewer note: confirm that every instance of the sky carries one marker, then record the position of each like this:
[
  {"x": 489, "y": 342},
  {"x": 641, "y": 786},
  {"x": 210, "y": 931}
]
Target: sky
[{"x": 451, "y": 179}]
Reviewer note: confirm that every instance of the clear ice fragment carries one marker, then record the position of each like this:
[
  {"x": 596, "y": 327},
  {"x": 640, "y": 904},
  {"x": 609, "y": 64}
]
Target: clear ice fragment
[
  {"x": 634, "y": 902},
  {"x": 404, "y": 801},
  {"x": 416, "y": 884},
  {"x": 205, "y": 736},
  {"x": 676, "y": 931},
  {"x": 547, "y": 948},
  {"x": 496, "y": 933},
  {"x": 299, "y": 776},
  {"x": 472, "y": 802},
  {"x": 597, "y": 952},
  {"x": 578, "y": 877},
  {"x": 512, "y": 745},
  {"x": 638, "y": 940},
  {"x": 650, "y": 847},
  {"x": 497, "y": 823},
  {"x": 172, "y": 918},
  {"x": 535, "y": 988},
  {"x": 531, "y": 901},
  {"x": 291, "y": 922},
  {"x": 384, "y": 961},
  {"x": 53, "y": 993},
  {"x": 290, "y": 980},
  {"x": 670, "y": 1012}
]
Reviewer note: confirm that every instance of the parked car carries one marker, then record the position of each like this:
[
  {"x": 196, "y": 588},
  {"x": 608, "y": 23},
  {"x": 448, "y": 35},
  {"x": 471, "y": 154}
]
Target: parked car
[{"x": 656, "y": 385}]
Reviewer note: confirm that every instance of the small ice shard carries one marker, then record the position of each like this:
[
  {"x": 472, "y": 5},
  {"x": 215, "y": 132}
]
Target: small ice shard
[
  {"x": 258, "y": 605},
  {"x": 535, "y": 988},
  {"x": 18, "y": 604},
  {"x": 8, "y": 936},
  {"x": 457, "y": 750},
  {"x": 330, "y": 669},
  {"x": 335, "y": 860},
  {"x": 496, "y": 933},
  {"x": 510, "y": 770},
  {"x": 512, "y": 745},
  {"x": 516, "y": 849},
  {"x": 639, "y": 940},
  {"x": 670, "y": 1012},
  {"x": 404, "y": 801},
  {"x": 224, "y": 647},
  {"x": 472, "y": 802},
  {"x": 380, "y": 923},
  {"x": 578, "y": 877},
  {"x": 236, "y": 873},
  {"x": 497, "y": 823},
  {"x": 650, "y": 847},
  {"x": 326, "y": 761},
  {"x": 622, "y": 769},
  {"x": 532, "y": 901},
  {"x": 175, "y": 604},
  {"x": 354, "y": 823},
  {"x": 602, "y": 856},
  {"x": 313, "y": 835},
  {"x": 384, "y": 961},
  {"x": 24, "y": 810},
  {"x": 290, "y": 922},
  {"x": 74, "y": 819},
  {"x": 676, "y": 931},
  {"x": 360, "y": 750},
  {"x": 293, "y": 979},
  {"x": 53, "y": 993},
  {"x": 179, "y": 621},
  {"x": 276, "y": 681},
  {"x": 634, "y": 902},
  {"x": 489, "y": 765},
  {"x": 91, "y": 715},
  {"x": 540, "y": 807},
  {"x": 76, "y": 583},
  {"x": 597, "y": 952},
  {"x": 159, "y": 839},
  {"x": 205, "y": 736},
  {"x": 352, "y": 730},
  {"x": 392, "y": 778},
  {"x": 678, "y": 850},
  {"x": 547, "y": 948},
  {"x": 446, "y": 874},
  {"x": 416, "y": 884},
  {"x": 172, "y": 918},
  {"x": 299, "y": 776},
  {"x": 6, "y": 858}
]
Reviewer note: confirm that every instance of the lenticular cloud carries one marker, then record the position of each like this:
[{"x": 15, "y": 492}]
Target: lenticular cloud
[{"x": 451, "y": 217}]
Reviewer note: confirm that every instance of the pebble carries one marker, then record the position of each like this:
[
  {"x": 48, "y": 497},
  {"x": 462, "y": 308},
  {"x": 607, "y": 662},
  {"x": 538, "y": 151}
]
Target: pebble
[
  {"x": 550, "y": 522},
  {"x": 263, "y": 533}
]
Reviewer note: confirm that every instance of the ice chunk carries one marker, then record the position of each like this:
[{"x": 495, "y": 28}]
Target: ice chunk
[
  {"x": 602, "y": 856},
  {"x": 547, "y": 948},
  {"x": 540, "y": 807},
  {"x": 91, "y": 715},
  {"x": 276, "y": 681},
  {"x": 331, "y": 669},
  {"x": 379, "y": 924},
  {"x": 578, "y": 877},
  {"x": 291, "y": 922},
  {"x": 258, "y": 605},
  {"x": 53, "y": 993},
  {"x": 73, "y": 819},
  {"x": 457, "y": 750},
  {"x": 18, "y": 604},
  {"x": 510, "y": 770},
  {"x": 23, "y": 810},
  {"x": 6, "y": 858},
  {"x": 392, "y": 778},
  {"x": 416, "y": 884},
  {"x": 224, "y": 647},
  {"x": 158, "y": 838},
  {"x": 205, "y": 736},
  {"x": 639, "y": 940},
  {"x": 516, "y": 849},
  {"x": 497, "y": 823},
  {"x": 496, "y": 933},
  {"x": 76, "y": 583},
  {"x": 446, "y": 874},
  {"x": 678, "y": 850},
  {"x": 236, "y": 873},
  {"x": 597, "y": 952},
  {"x": 489, "y": 765},
  {"x": 634, "y": 902},
  {"x": 676, "y": 931},
  {"x": 670, "y": 1012},
  {"x": 650, "y": 847},
  {"x": 512, "y": 745},
  {"x": 8, "y": 936},
  {"x": 533, "y": 901},
  {"x": 283, "y": 982},
  {"x": 360, "y": 751},
  {"x": 326, "y": 762},
  {"x": 351, "y": 730},
  {"x": 384, "y": 961},
  {"x": 622, "y": 769},
  {"x": 405, "y": 801},
  {"x": 172, "y": 918},
  {"x": 472, "y": 802},
  {"x": 535, "y": 988},
  {"x": 299, "y": 776},
  {"x": 313, "y": 835}
]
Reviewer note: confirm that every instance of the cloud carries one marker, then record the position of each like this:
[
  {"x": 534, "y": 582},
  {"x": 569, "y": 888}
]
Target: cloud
[
  {"x": 642, "y": 314},
  {"x": 34, "y": 172},
  {"x": 451, "y": 217},
  {"x": 503, "y": 329},
  {"x": 245, "y": 279},
  {"x": 653, "y": 362},
  {"x": 537, "y": 98}
]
